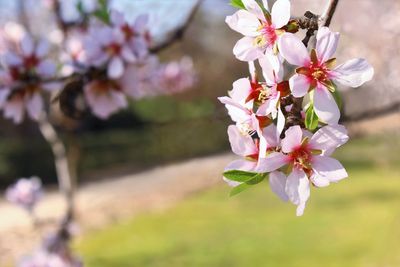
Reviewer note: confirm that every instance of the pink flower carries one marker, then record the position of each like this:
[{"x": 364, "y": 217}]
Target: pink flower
[
  {"x": 309, "y": 159},
  {"x": 25, "y": 192},
  {"x": 249, "y": 149},
  {"x": 261, "y": 31},
  {"x": 317, "y": 72},
  {"x": 106, "y": 46},
  {"x": 104, "y": 97},
  {"x": 136, "y": 33}
]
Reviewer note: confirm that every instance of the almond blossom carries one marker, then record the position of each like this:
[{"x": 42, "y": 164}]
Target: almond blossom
[
  {"x": 26, "y": 66},
  {"x": 26, "y": 192},
  {"x": 104, "y": 97},
  {"x": 308, "y": 158},
  {"x": 317, "y": 71},
  {"x": 261, "y": 29}
]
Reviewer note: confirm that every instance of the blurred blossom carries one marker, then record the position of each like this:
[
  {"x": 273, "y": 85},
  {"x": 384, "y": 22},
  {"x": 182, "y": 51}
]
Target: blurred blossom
[
  {"x": 177, "y": 76},
  {"x": 25, "y": 192},
  {"x": 20, "y": 80}
]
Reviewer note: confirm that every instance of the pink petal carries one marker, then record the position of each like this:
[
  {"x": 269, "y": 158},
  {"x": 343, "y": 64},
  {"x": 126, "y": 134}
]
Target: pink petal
[
  {"x": 319, "y": 181},
  {"x": 354, "y": 72},
  {"x": 277, "y": 182},
  {"x": 253, "y": 7},
  {"x": 242, "y": 145},
  {"x": 244, "y": 22},
  {"x": 141, "y": 23},
  {"x": 269, "y": 107},
  {"x": 241, "y": 90},
  {"x": 128, "y": 55},
  {"x": 42, "y": 48},
  {"x": 236, "y": 111},
  {"x": 293, "y": 50},
  {"x": 117, "y": 18},
  {"x": 325, "y": 106},
  {"x": 327, "y": 42},
  {"x": 27, "y": 45},
  {"x": 34, "y": 106},
  {"x": 245, "y": 50},
  {"x": 293, "y": 138},
  {"x": 4, "y": 93},
  {"x": 299, "y": 85},
  {"x": 46, "y": 68},
  {"x": 115, "y": 68},
  {"x": 329, "y": 168},
  {"x": 272, "y": 162},
  {"x": 298, "y": 189},
  {"x": 280, "y": 13},
  {"x": 272, "y": 69},
  {"x": 12, "y": 59},
  {"x": 14, "y": 109},
  {"x": 328, "y": 138}
]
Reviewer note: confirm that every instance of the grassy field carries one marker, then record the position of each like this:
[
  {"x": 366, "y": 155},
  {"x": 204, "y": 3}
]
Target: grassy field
[{"x": 353, "y": 223}]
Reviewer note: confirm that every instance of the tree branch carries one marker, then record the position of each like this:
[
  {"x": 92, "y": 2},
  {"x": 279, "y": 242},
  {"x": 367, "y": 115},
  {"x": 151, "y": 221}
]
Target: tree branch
[
  {"x": 60, "y": 161},
  {"x": 179, "y": 33}
]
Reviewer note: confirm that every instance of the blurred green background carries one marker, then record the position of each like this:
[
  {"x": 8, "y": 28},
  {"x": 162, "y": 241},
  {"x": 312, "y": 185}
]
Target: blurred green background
[{"x": 349, "y": 224}]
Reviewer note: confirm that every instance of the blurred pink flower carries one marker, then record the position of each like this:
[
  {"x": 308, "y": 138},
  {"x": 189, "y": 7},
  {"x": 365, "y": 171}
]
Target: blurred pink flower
[
  {"x": 104, "y": 97},
  {"x": 317, "y": 72},
  {"x": 25, "y": 192},
  {"x": 261, "y": 30}
]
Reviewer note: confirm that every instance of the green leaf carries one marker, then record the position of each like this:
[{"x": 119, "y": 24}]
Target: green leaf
[
  {"x": 102, "y": 13},
  {"x": 238, "y": 189},
  {"x": 337, "y": 97},
  {"x": 239, "y": 176},
  {"x": 258, "y": 178},
  {"x": 311, "y": 120},
  {"x": 238, "y": 4}
]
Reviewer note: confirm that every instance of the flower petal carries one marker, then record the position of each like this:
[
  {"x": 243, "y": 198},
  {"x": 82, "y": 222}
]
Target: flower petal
[
  {"x": 236, "y": 111},
  {"x": 246, "y": 51},
  {"x": 242, "y": 145},
  {"x": 253, "y": 7},
  {"x": 328, "y": 138},
  {"x": 34, "y": 106},
  {"x": 354, "y": 72},
  {"x": 46, "y": 68},
  {"x": 42, "y": 48},
  {"x": 298, "y": 189},
  {"x": 27, "y": 45},
  {"x": 325, "y": 106},
  {"x": 299, "y": 85},
  {"x": 277, "y": 182},
  {"x": 329, "y": 168},
  {"x": 272, "y": 162},
  {"x": 240, "y": 164},
  {"x": 327, "y": 42},
  {"x": 244, "y": 22},
  {"x": 293, "y": 50},
  {"x": 272, "y": 69},
  {"x": 241, "y": 90},
  {"x": 115, "y": 68},
  {"x": 271, "y": 135},
  {"x": 293, "y": 138},
  {"x": 280, "y": 13},
  {"x": 319, "y": 181}
]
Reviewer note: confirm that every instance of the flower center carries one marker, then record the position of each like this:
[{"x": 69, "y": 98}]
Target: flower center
[
  {"x": 319, "y": 73},
  {"x": 31, "y": 62},
  {"x": 301, "y": 156},
  {"x": 128, "y": 32},
  {"x": 113, "y": 49},
  {"x": 267, "y": 36}
]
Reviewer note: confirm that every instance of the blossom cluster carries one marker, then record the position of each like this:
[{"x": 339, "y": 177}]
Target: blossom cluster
[
  {"x": 111, "y": 59},
  {"x": 296, "y": 154}
]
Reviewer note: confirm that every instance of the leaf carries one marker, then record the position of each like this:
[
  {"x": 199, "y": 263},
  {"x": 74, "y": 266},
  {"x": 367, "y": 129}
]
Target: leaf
[
  {"x": 102, "y": 13},
  {"x": 238, "y": 4},
  {"x": 311, "y": 120},
  {"x": 337, "y": 97},
  {"x": 239, "y": 176},
  {"x": 238, "y": 189},
  {"x": 258, "y": 178}
]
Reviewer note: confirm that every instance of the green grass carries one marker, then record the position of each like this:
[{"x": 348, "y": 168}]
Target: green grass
[{"x": 352, "y": 223}]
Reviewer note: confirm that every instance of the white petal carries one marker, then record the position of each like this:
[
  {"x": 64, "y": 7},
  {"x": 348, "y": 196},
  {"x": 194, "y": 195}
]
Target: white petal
[
  {"x": 34, "y": 106},
  {"x": 241, "y": 90},
  {"x": 280, "y": 121},
  {"x": 325, "y": 106},
  {"x": 42, "y": 48},
  {"x": 12, "y": 59},
  {"x": 272, "y": 162},
  {"x": 245, "y": 50},
  {"x": 298, "y": 189},
  {"x": 141, "y": 23},
  {"x": 272, "y": 69},
  {"x": 244, "y": 22},
  {"x": 277, "y": 182},
  {"x": 253, "y": 7},
  {"x": 46, "y": 68},
  {"x": 14, "y": 109},
  {"x": 271, "y": 135},
  {"x": 293, "y": 138},
  {"x": 27, "y": 45},
  {"x": 354, "y": 72},
  {"x": 327, "y": 42},
  {"x": 115, "y": 68},
  {"x": 236, "y": 111},
  {"x": 328, "y": 138},
  {"x": 293, "y": 50},
  {"x": 242, "y": 145},
  {"x": 280, "y": 13},
  {"x": 299, "y": 85},
  {"x": 128, "y": 55},
  {"x": 319, "y": 181},
  {"x": 329, "y": 167},
  {"x": 117, "y": 18}
]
